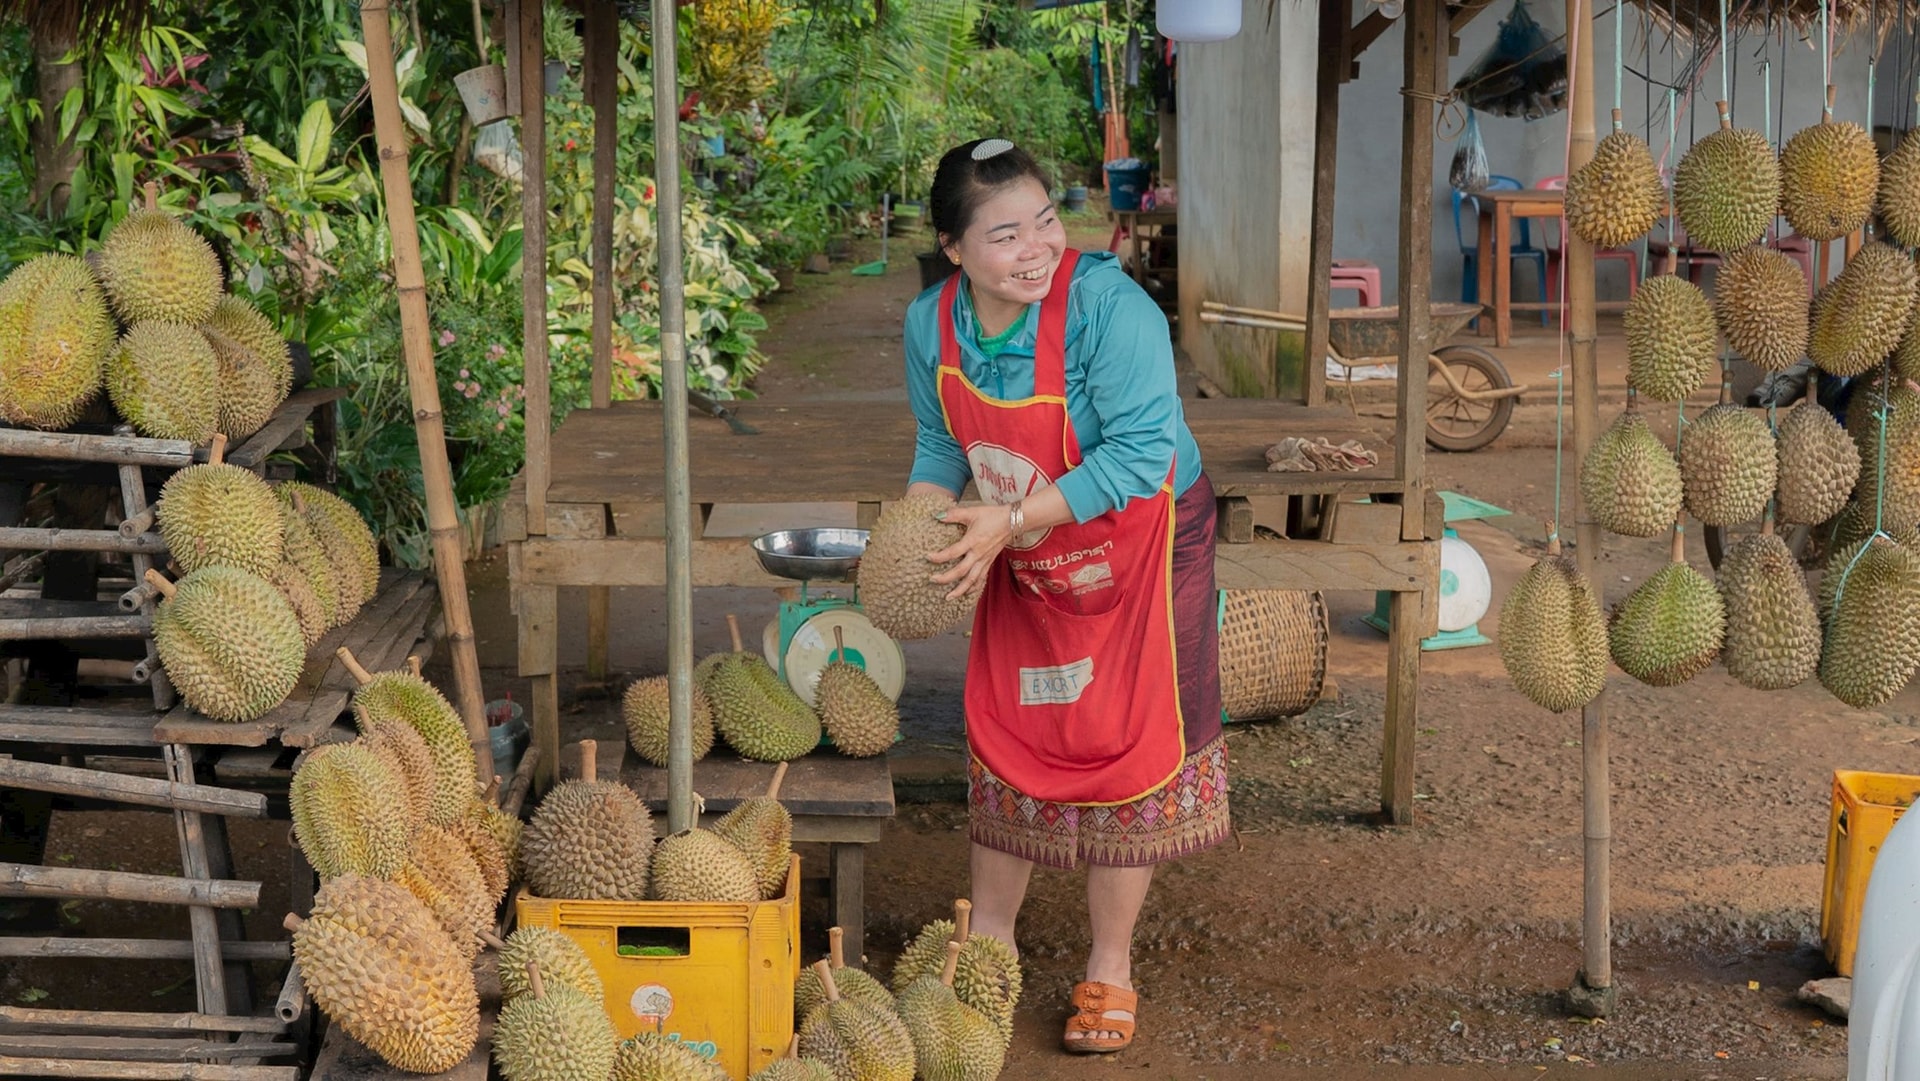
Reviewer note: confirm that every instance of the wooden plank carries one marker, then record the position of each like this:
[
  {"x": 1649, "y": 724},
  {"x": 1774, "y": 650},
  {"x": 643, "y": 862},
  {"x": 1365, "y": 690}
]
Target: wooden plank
[
  {"x": 139, "y": 1049},
  {"x": 144, "y": 791},
  {"x": 537, "y": 372},
  {"x": 1296, "y": 564},
  {"x": 287, "y": 422},
  {"x": 847, "y": 898},
  {"x": 88, "y": 447},
  {"x": 576, "y": 521},
  {"x": 1233, "y": 521},
  {"x": 76, "y": 726},
  {"x": 539, "y": 613},
  {"x": 22, "y": 880},
  {"x": 23, "y": 539},
  {"x": 1363, "y": 523},
  {"x": 31, "y": 1020},
  {"x": 1426, "y": 21},
  {"x": 602, "y": 39},
  {"x": 631, "y": 561},
  {"x": 1403, "y": 708},
  {"x": 144, "y": 949},
  {"x": 1335, "y": 15},
  {"x": 11, "y": 1066},
  {"x": 546, "y": 731},
  {"x": 823, "y": 784},
  {"x": 133, "y": 504}
]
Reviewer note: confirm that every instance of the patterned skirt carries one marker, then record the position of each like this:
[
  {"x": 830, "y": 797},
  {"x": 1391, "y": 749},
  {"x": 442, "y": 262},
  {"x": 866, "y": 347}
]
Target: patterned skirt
[{"x": 1183, "y": 816}]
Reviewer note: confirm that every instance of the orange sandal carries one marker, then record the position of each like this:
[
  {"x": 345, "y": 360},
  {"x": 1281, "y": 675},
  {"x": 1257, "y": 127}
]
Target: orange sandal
[{"x": 1092, "y": 1000}]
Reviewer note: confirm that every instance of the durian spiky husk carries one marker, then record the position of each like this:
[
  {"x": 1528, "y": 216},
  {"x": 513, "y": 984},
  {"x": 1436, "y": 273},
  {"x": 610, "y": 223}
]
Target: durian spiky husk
[
  {"x": 349, "y": 812},
  {"x": 893, "y": 577},
  {"x": 1889, "y": 484},
  {"x": 1817, "y": 466},
  {"x": 1630, "y": 481},
  {"x": 1616, "y": 197},
  {"x": 858, "y": 1042},
  {"x": 164, "y": 378},
  {"x": 650, "y": 1056},
  {"x": 699, "y": 866},
  {"x": 1871, "y": 606},
  {"x": 155, "y": 267},
  {"x": 1671, "y": 338},
  {"x": 303, "y": 552},
  {"x": 1727, "y": 189},
  {"x": 484, "y": 849},
  {"x": 1760, "y": 303},
  {"x": 560, "y": 958},
  {"x": 1727, "y": 465},
  {"x": 293, "y": 585},
  {"x": 255, "y": 366},
  {"x": 951, "y": 1040},
  {"x": 229, "y": 642},
  {"x": 1829, "y": 174},
  {"x": 762, "y": 829},
  {"x": 505, "y": 828},
  {"x": 404, "y": 698},
  {"x": 644, "y": 707},
  {"x": 1553, "y": 637},
  {"x": 1669, "y": 628},
  {"x": 1899, "y": 196},
  {"x": 987, "y": 976},
  {"x": 1860, "y": 316},
  {"x": 407, "y": 755},
  {"x": 856, "y": 713},
  {"x": 757, "y": 713},
  {"x": 442, "y": 874},
  {"x": 588, "y": 840},
  {"x": 1906, "y": 355},
  {"x": 564, "y": 1035},
  {"x": 55, "y": 335},
  {"x": 215, "y": 514},
  {"x": 1773, "y": 632},
  {"x": 346, "y": 539}
]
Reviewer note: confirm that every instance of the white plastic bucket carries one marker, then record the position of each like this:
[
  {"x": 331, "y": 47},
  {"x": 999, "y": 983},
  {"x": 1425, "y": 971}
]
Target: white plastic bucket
[
  {"x": 1198, "y": 20},
  {"x": 1883, "y": 1022},
  {"x": 483, "y": 90}
]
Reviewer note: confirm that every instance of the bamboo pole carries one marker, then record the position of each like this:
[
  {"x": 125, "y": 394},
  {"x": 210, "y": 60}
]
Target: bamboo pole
[
  {"x": 54, "y": 627},
  {"x": 85, "y": 447},
  {"x": 26, "y": 880},
  {"x": 417, "y": 345},
  {"x": 533, "y": 276},
  {"x": 1592, "y": 993},
  {"x": 24, "y": 539},
  {"x": 122, "y": 788},
  {"x": 603, "y": 53},
  {"x": 137, "y": 949},
  {"x": 142, "y": 1071},
  {"x": 134, "y": 1021},
  {"x": 673, "y": 393}
]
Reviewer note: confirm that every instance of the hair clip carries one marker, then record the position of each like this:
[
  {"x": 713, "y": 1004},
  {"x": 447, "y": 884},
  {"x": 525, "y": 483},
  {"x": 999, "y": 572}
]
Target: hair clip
[{"x": 990, "y": 148}]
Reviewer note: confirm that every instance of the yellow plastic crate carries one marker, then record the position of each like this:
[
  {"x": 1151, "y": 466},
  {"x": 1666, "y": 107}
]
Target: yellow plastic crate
[
  {"x": 717, "y": 977},
  {"x": 1865, "y": 807}
]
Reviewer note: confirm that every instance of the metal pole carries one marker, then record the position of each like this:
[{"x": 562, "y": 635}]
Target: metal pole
[
  {"x": 673, "y": 395},
  {"x": 1592, "y": 993}
]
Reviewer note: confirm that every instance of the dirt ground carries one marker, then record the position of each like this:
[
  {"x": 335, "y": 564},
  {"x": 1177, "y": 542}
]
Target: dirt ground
[{"x": 1316, "y": 942}]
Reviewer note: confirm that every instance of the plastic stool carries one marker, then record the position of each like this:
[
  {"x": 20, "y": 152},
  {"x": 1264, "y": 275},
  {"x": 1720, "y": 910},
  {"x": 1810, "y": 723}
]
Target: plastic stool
[{"x": 1359, "y": 275}]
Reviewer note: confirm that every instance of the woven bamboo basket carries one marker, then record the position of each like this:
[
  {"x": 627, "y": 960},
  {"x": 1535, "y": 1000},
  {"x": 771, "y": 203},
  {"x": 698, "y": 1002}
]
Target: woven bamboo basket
[{"x": 1273, "y": 652}]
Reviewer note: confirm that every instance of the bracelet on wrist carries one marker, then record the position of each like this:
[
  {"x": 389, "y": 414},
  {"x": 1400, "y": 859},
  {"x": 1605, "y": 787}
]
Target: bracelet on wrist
[{"x": 1016, "y": 518}]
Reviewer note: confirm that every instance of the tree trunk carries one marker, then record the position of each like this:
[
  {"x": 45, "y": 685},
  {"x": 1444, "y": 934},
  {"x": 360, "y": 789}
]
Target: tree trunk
[{"x": 55, "y": 159}]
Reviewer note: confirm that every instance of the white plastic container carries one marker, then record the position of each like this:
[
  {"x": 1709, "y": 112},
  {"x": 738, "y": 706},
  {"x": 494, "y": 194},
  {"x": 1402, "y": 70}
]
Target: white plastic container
[
  {"x": 1198, "y": 20},
  {"x": 1883, "y": 1024},
  {"x": 483, "y": 90}
]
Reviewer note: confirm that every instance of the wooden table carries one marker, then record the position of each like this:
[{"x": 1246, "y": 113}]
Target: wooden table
[
  {"x": 1131, "y": 222},
  {"x": 839, "y": 801},
  {"x": 1497, "y": 211}
]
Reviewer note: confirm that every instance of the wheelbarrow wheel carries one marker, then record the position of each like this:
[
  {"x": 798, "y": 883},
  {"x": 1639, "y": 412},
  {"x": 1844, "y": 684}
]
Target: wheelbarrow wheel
[{"x": 1456, "y": 423}]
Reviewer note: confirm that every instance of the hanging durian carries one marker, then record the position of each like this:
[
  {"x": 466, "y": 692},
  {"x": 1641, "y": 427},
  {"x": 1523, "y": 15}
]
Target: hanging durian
[
  {"x": 1671, "y": 627},
  {"x": 1829, "y": 174},
  {"x": 1760, "y": 303},
  {"x": 1899, "y": 196},
  {"x": 1885, "y": 426},
  {"x": 1727, "y": 464},
  {"x": 1615, "y": 198},
  {"x": 1818, "y": 463},
  {"x": 1860, "y": 316},
  {"x": 1870, "y": 602},
  {"x": 1629, "y": 480},
  {"x": 1727, "y": 188},
  {"x": 1671, "y": 337},
  {"x": 1553, "y": 638},
  {"x": 1773, "y": 632}
]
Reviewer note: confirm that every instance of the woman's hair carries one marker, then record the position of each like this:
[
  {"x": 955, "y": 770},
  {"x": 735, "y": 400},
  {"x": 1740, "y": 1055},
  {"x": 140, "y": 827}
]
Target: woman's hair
[{"x": 968, "y": 174}]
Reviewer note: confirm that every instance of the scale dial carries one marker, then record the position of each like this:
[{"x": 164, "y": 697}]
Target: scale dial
[{"x": 811, "y": 650}]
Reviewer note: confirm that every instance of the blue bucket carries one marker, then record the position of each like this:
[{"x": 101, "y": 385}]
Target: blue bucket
[{"x": 1126, "y": 186}]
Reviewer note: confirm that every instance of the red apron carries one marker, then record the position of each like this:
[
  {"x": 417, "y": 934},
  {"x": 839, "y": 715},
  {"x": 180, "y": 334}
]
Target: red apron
[{"x": 1072, "y": 692}]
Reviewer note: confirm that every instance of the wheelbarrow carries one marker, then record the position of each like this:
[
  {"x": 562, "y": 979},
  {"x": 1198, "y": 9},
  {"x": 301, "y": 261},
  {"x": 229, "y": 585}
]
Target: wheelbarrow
[{"x": 1469, "y": 393}]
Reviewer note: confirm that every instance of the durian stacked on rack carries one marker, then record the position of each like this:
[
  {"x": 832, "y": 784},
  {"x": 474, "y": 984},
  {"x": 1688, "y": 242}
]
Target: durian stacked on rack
[{"x": 1858, "y": 486}]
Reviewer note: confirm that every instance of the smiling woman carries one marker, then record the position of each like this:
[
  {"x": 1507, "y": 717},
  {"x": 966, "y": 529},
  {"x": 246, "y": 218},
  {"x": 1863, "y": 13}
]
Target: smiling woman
[{"x": 1044, "y": 377}]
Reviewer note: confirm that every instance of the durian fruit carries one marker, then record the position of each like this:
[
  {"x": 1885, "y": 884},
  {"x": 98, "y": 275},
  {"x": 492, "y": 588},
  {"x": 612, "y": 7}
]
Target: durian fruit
[
  {"x": 1727, "y": 187},
  {"x": 1553, "y": 639},
  {"x": 858, "y": 716},
  {"x": 1629, "y": 479},
  {"x": 857, "y": 1042},
  {"x": 349, "y": 812},
  {"x": 228, "y": 640},
  {"x": 755, "y": 710},
  {"x": 441, "y": 873},
  {"x": 505, "y": 828},
  {"x": 1671, "y": 337},
  {"x": 1871, "y": 605},
  {"x": 951, "y": 1040},
  {"x": 1615, "y": 197},
  {"x": 344, "y": 536},
  {"x": 156, "y": 268},
  {"x": 1760, "y": 303},
  {"x": 406, "y": 754},
  {"x": 302, "y": 551},
  {"x": 698, "y": 865},
  {"x": 404, "y": 698},
  {"x": 1773, "y": 632},
  {"x": 373, "y": 958},
  {"x": 560, "y": 958},
  {"x": 644, "y": 707},
  {"x": 895, "y": 578},
  {"x": 215, "y": 514},
  {"x": 1889, "y": 483},
  {"x": 293, "y": 586},
  {"x": 588, "y": 840},
  {"x": 1899, "y": 196},
  {"x": 1829, "y": 174},
  {"x": 164, "y": 378},
  {"x": 651, "y": 1056},
  {"x": 790, "y": 1068},
  {"x": 1817, "y": 464},
  {"x": 1727, "y": 465},
  {"x": 1671, "y": 627},
  {"x": 1906, "y": 355},
  {"x": 554, "y": 1033},
  {"x": 485, "y": 852},
  {"x": 55, "y": 334},
  {"x": 809, "y": 992},
  {"x": 255, "y": 366},
  {"x": 1860, "y": 316},
  {"x": 763, "y": 831},
  {"x": 989, "y": 977}
]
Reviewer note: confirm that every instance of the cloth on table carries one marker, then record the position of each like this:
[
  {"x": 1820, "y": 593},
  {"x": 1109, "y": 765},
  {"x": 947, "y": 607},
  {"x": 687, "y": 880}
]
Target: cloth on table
[{"x": 1296, "y": 454}]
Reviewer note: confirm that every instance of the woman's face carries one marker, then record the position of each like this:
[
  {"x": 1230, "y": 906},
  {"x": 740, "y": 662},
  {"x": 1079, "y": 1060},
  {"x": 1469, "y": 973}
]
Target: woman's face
[{"x": 1013, "y": 245}]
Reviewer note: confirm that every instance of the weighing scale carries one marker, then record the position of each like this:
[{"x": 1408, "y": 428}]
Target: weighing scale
[
  {"x": 799, "y": 641},
  {"x": 1466, "y": 588}
]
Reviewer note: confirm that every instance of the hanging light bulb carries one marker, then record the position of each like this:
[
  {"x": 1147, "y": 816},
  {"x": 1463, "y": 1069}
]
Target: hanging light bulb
[{"x": 1198, "y": 20}]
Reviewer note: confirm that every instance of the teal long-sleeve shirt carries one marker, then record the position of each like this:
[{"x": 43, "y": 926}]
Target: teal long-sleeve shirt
[{"x": 1122, "y": 395}]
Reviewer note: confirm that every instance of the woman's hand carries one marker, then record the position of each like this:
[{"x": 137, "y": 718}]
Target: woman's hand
[{"x": 989, "y": 527}]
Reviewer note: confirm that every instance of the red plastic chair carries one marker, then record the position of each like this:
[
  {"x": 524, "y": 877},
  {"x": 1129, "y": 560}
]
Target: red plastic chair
[
  {"x": 1361, "y": 276},
  {"x": 1625, "y": 255}
]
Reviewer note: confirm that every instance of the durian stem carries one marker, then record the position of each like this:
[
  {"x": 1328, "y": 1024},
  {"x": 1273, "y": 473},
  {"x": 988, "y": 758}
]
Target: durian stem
[
  {"x": 793, "y": 1047},
  {"x": 1766, "y": 522},
  {"x": 492, "y": 793},
  {"x": 953, "y": 962},
  {"x": 293, "y": 922},
  {"x": 1726, "y": 384},
  {"x": 1826, "y": 114},
  {"x": 360, "y": 675},
  {"x": 413, "y": 665},
  {"x": 1679, "y": 542},
  {"x": 1553, "y": 540},
  {"x": 825, "y": 971},
  {"x": 1673, "y": 258},
  {"x": 839, "y": 643},
  {"x": 1726, "y": 117},
  {"x": 589, "y": 766},
  {"x": 534, "y": 981},
  {"x": 962, "y": 920},
  {"x": 299, "y": 503},
  {"x": 733, "y": 628},
  {"x": 779, "y": 773},
  {"x": 491, "y": 940},
  {"x": 1618, "y": 123},
  {"x": 217, "y": 451},
  {"x": 151, "y": 191},
  {"x": 836, "y": 947},
  {"x": 159, "y": 581}
]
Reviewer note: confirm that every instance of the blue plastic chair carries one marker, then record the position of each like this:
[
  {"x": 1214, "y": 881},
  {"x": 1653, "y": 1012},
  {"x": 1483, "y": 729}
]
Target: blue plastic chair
[{"x": 1523, "y": 248}]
